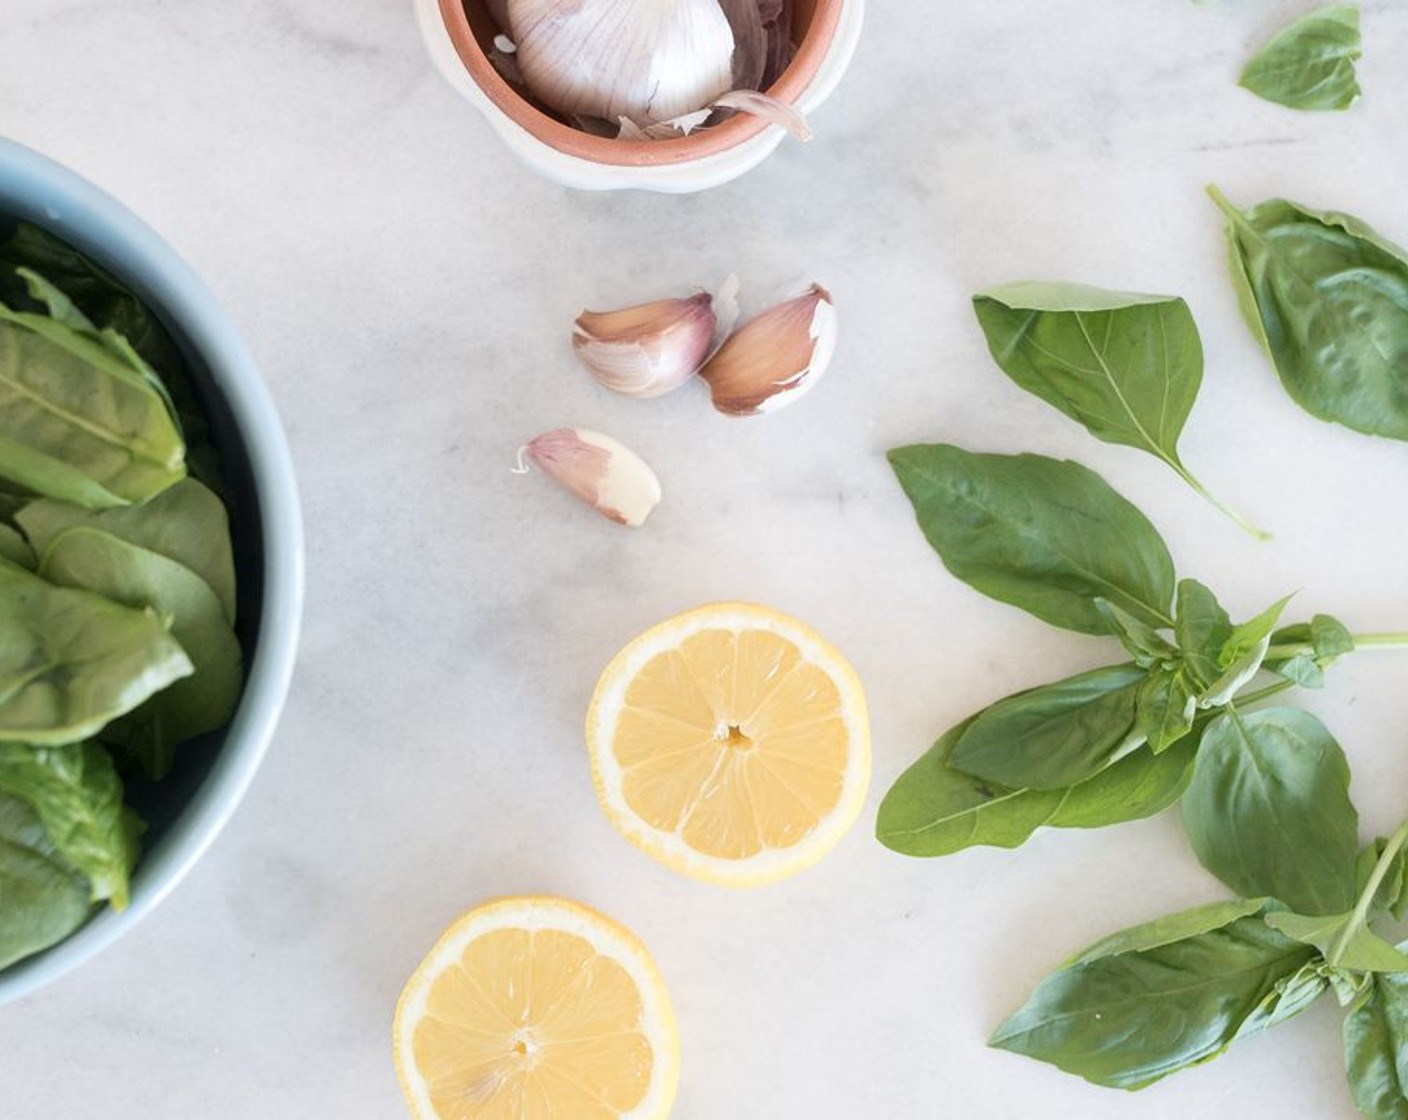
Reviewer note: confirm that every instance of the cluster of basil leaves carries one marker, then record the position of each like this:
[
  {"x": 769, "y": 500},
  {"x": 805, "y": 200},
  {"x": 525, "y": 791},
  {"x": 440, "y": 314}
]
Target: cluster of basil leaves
[
  {"x": 1264, "y": 792},
  {"x": 117, "y": 582}
]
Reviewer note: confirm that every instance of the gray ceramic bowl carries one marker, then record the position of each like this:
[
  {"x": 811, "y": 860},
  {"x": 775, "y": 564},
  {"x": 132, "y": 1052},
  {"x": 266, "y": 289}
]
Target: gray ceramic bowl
[{"x": 187, "y": 810}]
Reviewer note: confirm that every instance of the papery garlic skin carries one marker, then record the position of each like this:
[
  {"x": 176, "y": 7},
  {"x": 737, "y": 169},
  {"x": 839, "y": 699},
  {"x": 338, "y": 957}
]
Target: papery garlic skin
[
  {"x": 775, "y": 358},
  {"x": 649, "y": 349},
  {"x": 607, "y": 475},
  {"x": 649, "y": 60}
]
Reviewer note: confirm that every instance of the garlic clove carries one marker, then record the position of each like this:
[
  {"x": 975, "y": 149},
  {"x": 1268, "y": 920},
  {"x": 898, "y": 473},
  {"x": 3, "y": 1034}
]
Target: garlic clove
[
  {"x": 649, "y": 349},
  {"x": 649, "y": 60},
  {"x": 607, "y": 475},
  {"x": 774, "y": 358}
]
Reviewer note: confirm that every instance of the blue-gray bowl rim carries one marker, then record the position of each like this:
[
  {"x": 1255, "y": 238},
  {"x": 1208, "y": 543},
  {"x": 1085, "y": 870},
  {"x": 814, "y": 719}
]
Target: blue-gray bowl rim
[{"x": 92, "y": 219}]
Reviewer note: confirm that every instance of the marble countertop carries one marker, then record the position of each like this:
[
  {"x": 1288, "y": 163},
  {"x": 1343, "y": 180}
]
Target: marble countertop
[{"x": 407, "y": 286}]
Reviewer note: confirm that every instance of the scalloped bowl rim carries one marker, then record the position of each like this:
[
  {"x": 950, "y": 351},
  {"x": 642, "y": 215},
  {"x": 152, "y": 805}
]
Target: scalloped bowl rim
[{"x": 152, "y": 265}]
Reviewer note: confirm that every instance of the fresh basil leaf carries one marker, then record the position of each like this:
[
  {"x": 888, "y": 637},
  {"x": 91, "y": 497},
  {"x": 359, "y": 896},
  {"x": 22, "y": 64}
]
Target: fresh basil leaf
[
  {"x": 1302, "y": 669},
  {"x": 1310, "y": 64},
  {"x": 1344, "y": 939},
  {"x": 1328, "y": 298},
  {"x": 1141, "y": 641},
  {"x": 77, "y": 795},
  {"x": 71, "y": 661},
  {"x": 1376, "y": 1049},
  {"x": 44, "y": 898},
  {"x": 1127, "y": 1019},
  {"x": 186, "y": 523},
  {"x": 1054, "y": 736},
  {"x": 1288, "y": 998},
  {"x": 936, "y": 810},
  {"x": 141, "y": 579},
  {"x": 82, "y": 422},
  {"x": 1392, "y": 894},
  {"x": 1327, "y": 640},
  {"x": 1048, "y": 536},
  {"x": 1268, "y": 810},
  {"x": 1330, "y": 637},
  {"x": 1137, "y": 786},
  {"x": 1202, "y": 629},
  {"x": 1170, "y": 929},
  {"x": 1167, "y": 707},
  {"x": 1242, "y": 655}
]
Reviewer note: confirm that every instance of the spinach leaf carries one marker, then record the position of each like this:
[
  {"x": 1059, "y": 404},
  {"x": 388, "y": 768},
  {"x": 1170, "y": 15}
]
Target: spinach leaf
[
  {"x": 1054, "y": 736},
  {"x": 70, "y": 660},
  {"x": 1268, "y": 810},
  {"x": 1126, "y": 366},
  {"x": 14, "y": 548},
  {"x": 186, "y": 523},
  {"x": 77, "y": 795},
  {"x": 44, "y": 898},
  {"x": 1045, "y": 535},
  {"x": 81, "y": 416},
  {"x": 936, "y": 810},
  {"x": 142, "y": 579},
  {"x": 1328, "y": 299},
  {"x": 1126, "y": 1018},
  {"x": 1376, "y": 1049},
  {"x": 1310, "y": 64}
]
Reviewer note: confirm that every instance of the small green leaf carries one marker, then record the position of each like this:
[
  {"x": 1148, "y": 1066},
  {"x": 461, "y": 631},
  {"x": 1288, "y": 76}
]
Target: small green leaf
[
  {"x": 1310, "y": 64},
  {"x": 1268, "y": 810},
  {"x": 1167, "y": 707},
  {"x": 1125, "y": 1019},
  {"x": 1141, "y": 641},
  {"x": 1202, "y": 628},
  {"x": 1302, "y": 669},
  {"x": 77, "y": 795},
  {"x": 1242, "y": 655},
  {"x": 1047, "y": 536},
  {"x": 1376, "y": 1049},
  {"x": 1328, "y": 299},
  {"x": 1364, "y": 951},
  {"x": 45, "y": 898},
  {"x": 1288, "y": 998},
  {"x": 1053, "y": 736},
  {"x": 14, "y": 548}
]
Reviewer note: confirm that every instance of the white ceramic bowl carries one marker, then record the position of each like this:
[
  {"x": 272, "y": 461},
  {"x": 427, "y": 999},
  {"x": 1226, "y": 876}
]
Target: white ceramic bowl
[
  {"x": 187, "y": 809},
  {"x": 665, "y": 166}
]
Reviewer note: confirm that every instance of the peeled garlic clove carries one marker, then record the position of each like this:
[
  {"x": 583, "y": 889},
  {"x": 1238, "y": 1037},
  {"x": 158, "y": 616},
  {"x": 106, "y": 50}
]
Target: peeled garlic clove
[
  {"x": 609, "y": 477},
  {"x": 649, "y": 60},
  {"x": 774, "y": 358},
  {"x": 649, "y": 349}
]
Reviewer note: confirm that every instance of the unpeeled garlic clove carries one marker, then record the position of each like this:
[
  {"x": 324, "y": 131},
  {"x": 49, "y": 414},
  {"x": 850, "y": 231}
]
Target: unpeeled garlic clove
[
  {"x": 607, "y": 475},
  {"x": 775, "y": 358},
  {"x": 649, "y": 349},
  {"x": 649, "y": 60}
]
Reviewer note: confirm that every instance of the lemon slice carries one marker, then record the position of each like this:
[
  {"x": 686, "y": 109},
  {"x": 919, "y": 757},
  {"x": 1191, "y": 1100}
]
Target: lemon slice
[
  {"x": 731, "y": 743},
  {"x": 537, "y": 1009}
]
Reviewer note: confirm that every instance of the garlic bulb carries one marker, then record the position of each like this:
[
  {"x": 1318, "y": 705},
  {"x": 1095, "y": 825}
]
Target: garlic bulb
[
  {"x": 647, "y": 60},
  {"x": 647, "y": 350},
  {"x": 608, "y": 476},
  {"x": 775, "y": 358}
]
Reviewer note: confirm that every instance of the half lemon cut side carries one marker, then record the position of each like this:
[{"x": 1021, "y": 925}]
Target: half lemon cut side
[
  {"x": 731, "y": 743},
  {"x": 537, "y": 1009}
]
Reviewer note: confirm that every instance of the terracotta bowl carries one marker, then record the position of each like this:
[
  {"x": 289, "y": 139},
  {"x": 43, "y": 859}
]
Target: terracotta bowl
[{"x": 460, "y": 32}]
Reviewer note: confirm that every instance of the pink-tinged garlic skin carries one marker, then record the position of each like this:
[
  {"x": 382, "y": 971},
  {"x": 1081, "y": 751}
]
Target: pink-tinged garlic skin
[
  {"x": 607, "y": 475},
  {"x": 649, "y": 60},
  {"x": 775, "y": 358},
  {"x": 646, "y": 350}
]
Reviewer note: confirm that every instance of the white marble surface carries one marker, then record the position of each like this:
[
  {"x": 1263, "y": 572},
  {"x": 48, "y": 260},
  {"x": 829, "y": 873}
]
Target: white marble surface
[{"x": 407, "y": 286}]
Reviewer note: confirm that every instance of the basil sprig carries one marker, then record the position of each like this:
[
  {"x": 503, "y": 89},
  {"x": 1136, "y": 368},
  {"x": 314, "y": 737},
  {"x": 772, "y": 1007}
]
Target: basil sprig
[
  {"x": 1178, "y": 991},
  {"x": 1114, "y": 744}
]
